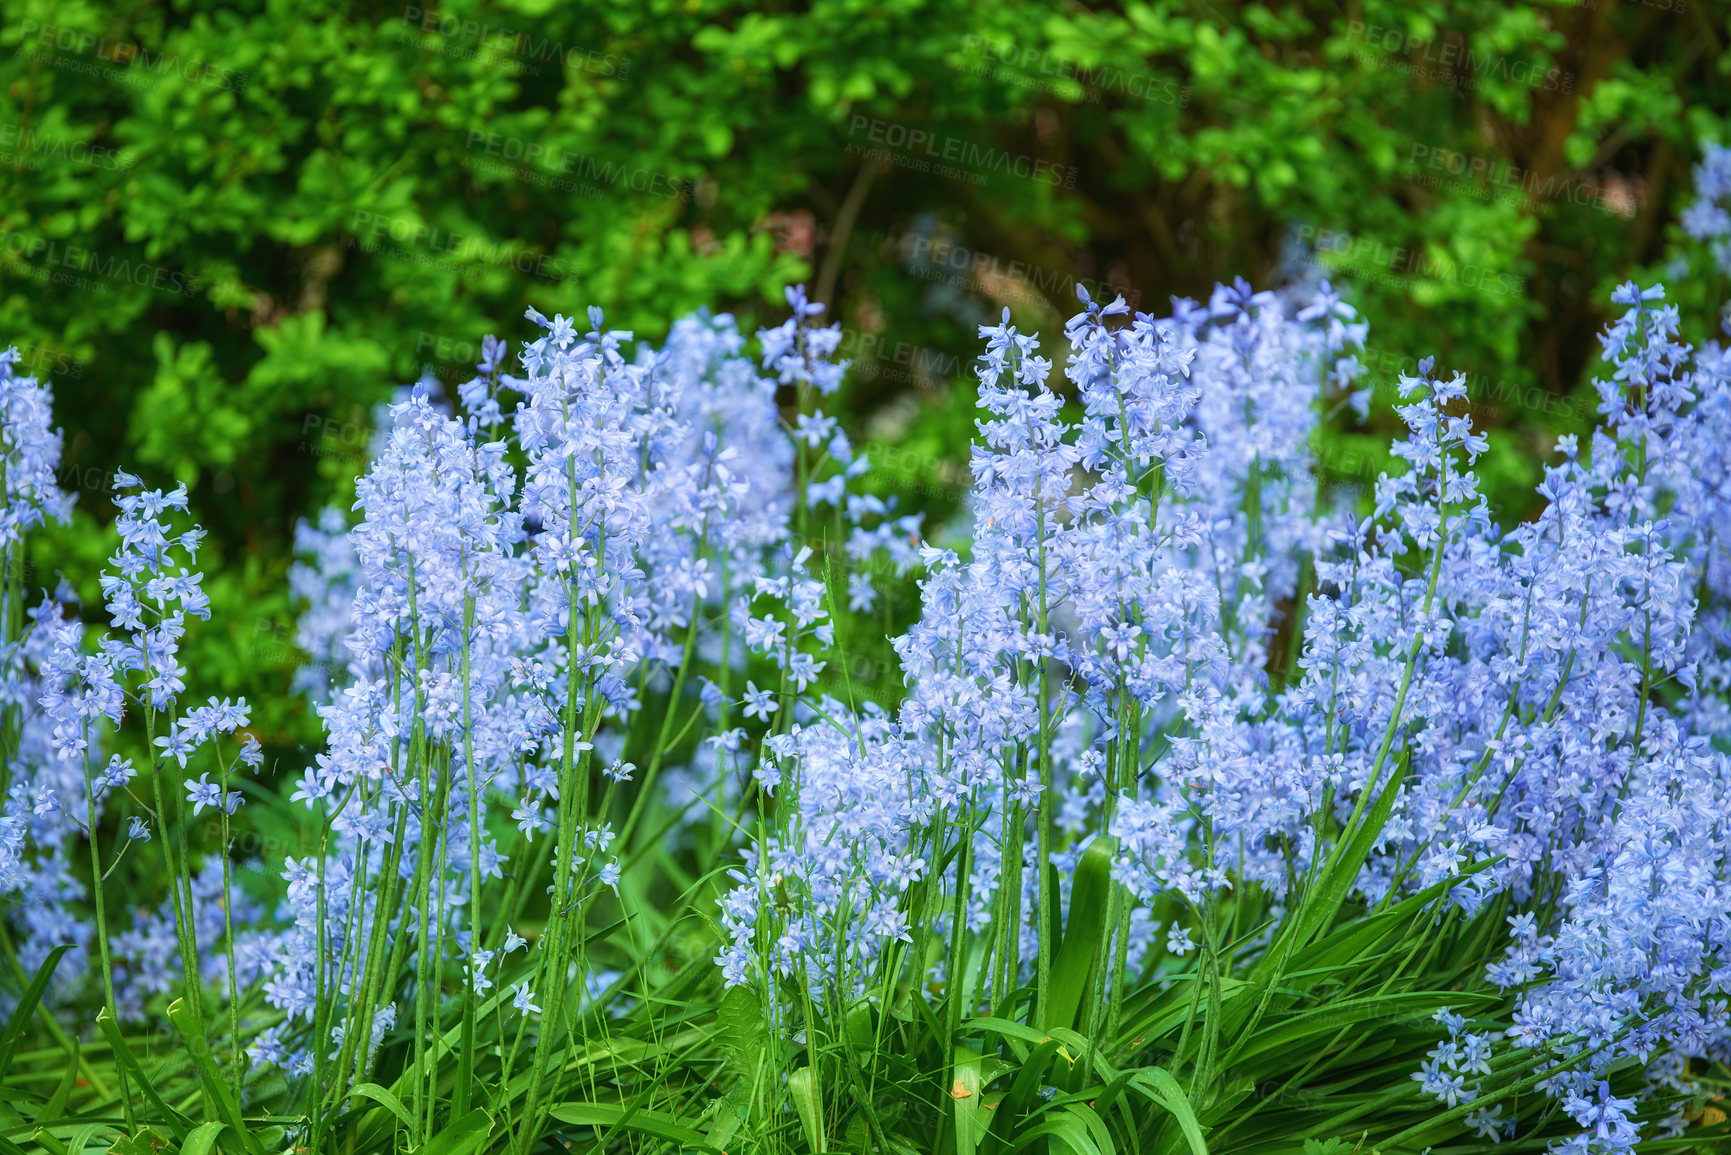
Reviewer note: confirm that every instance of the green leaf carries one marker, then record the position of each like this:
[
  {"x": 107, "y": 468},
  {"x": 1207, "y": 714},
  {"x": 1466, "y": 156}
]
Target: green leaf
[
  {"x": 1159, "y": 1085},
  {"x": 1054, "y": 908},
  {"x": 1069, "y": 1128},
  {"x": 1351, "y": 943},
  {"x": 26, "y": 1007},
  {"x": 1329, "y": 1017},
  {"x": 145, "y": 1141},
  {"x": 658, "y": 1124},
  {"x": 1093, "y": 1125},
  {"x": 1169, "y": 1012},
  {"x": 56, "y": 1106},
  {"x": 177, "y": 1123},
  {"x": 743, "y": 1033},
  {"x": 717, "y": 138},
  {"x": 80, "y": 1141},
  {"x": 732, "y": 1111},
  {"x": 384, "y": 1098},
  {"x": 1075, "y": 958},
  {"x": 971, "y": 1120},
  {"x": 198, "y": 1048},
  {"x": 202, "y": 1141},
  {"x": 1318, "y": 908},
  {"x": 463, "y": 1136},
  {"x": 1007, "y": 1028},
  {"x": 1008, "y": 1118},
  {"x": 743, "y": 1036},
  {"x": 802, "y": 1085}
]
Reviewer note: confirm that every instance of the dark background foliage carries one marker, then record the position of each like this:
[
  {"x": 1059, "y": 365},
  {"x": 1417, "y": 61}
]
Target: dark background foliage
[{"x": 228, "y": 231}]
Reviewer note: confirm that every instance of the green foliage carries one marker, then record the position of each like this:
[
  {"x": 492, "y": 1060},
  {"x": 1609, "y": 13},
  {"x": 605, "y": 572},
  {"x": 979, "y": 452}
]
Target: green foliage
[{"x": 227, "y": 233}]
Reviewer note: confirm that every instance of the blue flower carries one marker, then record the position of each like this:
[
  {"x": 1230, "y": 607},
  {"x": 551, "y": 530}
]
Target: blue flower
[
  {"x": 203, "y": 793},
  {"x": 759, "y": 703}
]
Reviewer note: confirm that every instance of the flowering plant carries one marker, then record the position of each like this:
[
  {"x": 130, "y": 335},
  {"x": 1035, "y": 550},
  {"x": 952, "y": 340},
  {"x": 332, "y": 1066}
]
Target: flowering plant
[{"x": 1224, "y": 809}]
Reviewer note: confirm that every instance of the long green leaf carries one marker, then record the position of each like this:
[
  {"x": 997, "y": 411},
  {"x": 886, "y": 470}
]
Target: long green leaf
[
  {"x": 14, "y": 1031},
  {"x": 1159, "y": 1085},
  {"x": 742, "y": 1034},
  {"x": 1339, "y": 951},
  {"x": 1065, "y": 1128},
  {"x": 177, "y": 1123},
  {"x": 743, "y": 1038},
  {"x": 1076, "y": 954},
  {"x": 462, "y": 1137},
  {"x": 198, "y": 1047},
  {"x": 732, "y": 1111},
  {"x": 384, "y": 1098},
  {"x": 56, "y": 1106},
  {"x": 1008, "y": 1028},
  {"x": 1328, "y": 1018},
  {"x": 641, "y": 1119},
  {"x": 147, "y": 1140},
  {"x": 971, "y": 1125},
  {"x": 1094, "y": 1126},
  {"x": 1008, "y": 1117},
  {"x": 82, "y": 1138},
  {"x": 802, "y": 1086},
  {"x": 202, "y": 1140},
  {"x": 1171, "y": 1012},
  {"x": 1318, "y": 908}
]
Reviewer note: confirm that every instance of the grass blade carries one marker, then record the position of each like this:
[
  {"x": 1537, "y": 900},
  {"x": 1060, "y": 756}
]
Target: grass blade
[
  {"x": 463, "y": 1136},
  {"x": 1075, "y": 957},
  {"x": 198, "y": 1047},
  {"x": 1317, "y": 910},
  {"x": 27, "y": 1006},
  {"x": 56, "y": 1106},
  {"x": 384, "y": 1098},
  {"x": 177, "y": 1123},
  {"x": 970, "y": 1124},
  {"x": 202, "y": 1140},
  {"x": 658, "y": 1124},
  {"x": 1158, "y": 1085},
  {"x": 802, "y": 1085}
]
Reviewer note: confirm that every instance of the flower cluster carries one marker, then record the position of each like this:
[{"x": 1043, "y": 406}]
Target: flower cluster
[
  {"x": 589, "y": 613},
  {"x": 1087, "y": 617},
  {"x": 578, "y": 566},
  {"x": 1532, "y": 707},
  {"x": 68, "y": 691},
  {"x": 1708, "y": 217}
]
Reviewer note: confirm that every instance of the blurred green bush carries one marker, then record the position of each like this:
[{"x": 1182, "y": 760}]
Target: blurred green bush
[{"x": 227, "y": 231}]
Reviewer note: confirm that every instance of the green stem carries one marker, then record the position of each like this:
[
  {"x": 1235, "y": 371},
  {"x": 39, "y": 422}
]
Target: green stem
[{"x": 96, "y": 876}]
